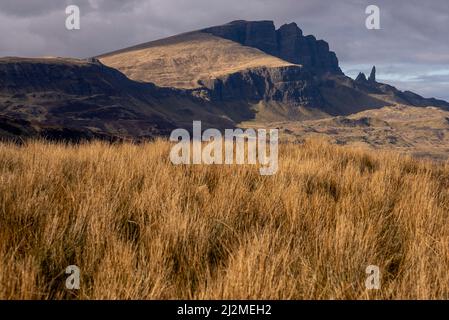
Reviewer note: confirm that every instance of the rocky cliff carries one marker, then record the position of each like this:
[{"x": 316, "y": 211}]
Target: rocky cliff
[
  {"x": 287, "y": 43},
  {"x": 292, "y": 85}
]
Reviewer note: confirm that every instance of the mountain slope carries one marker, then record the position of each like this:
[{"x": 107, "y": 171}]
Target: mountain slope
[
  {"x": 185, "y": 60},
  {"x": 241, "y": 73},
  {"x": 42, "y": 96}
]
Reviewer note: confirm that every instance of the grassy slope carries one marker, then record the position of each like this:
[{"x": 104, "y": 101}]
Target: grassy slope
[
  {"x": 182, "y": 60},
  {"x": 139, "y": 227}
]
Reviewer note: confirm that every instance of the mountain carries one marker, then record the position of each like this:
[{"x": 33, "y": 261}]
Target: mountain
[
  {"x": 82, "y": 99},
  {"x": 239, "y": 73},
  {"x": 281, "y": 73}
]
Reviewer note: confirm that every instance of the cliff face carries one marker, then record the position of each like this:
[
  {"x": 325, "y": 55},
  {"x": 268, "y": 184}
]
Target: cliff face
[
  {"x": 292, "y": 85},
  {"x": 70, "y": 76},
  {"x": 287, "y": 43}
]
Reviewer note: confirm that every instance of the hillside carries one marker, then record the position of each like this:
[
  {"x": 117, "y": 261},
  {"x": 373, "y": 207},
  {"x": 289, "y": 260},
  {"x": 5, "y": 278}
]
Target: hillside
[
  {"x": 76, "y": 99},
  {"x": 418, "y": 131},
  {"x": 183, "y": 61}
]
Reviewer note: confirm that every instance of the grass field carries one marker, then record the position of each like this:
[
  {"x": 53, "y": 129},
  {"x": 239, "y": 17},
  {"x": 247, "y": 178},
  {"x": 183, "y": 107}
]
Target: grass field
[{"x": 139, "y": 227}]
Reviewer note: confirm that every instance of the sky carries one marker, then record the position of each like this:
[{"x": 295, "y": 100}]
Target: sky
[{"x": 410, "y": 51}]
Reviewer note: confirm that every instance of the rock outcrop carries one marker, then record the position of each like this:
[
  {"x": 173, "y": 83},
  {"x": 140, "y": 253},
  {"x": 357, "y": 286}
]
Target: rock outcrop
[
  {"x": 287, "y": 43},
  {"x": 361, "y": 77},
  {"x": 372, "y": 76},
  {"x": 291, "y": 85},
  {"x": 257, "y": 34},
  {"x": 306, "y": 50}
]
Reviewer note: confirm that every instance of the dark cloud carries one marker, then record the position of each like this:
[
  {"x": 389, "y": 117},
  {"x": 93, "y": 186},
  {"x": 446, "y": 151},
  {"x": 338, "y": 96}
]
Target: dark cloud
[
  {"x": 24, "y": 8},
  {"x": 413, "y": 33},
  {"x": 27, "y": 8}
]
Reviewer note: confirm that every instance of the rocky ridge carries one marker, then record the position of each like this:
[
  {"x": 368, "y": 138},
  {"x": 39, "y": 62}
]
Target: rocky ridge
[{"x": 287, "y": 43}]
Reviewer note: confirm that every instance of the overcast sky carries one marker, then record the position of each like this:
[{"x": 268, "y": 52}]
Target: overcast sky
[{"x": 410, "y": 51}]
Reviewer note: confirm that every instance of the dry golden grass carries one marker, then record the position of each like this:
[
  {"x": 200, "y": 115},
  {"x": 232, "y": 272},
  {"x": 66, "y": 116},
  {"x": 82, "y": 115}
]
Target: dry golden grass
[{"x": 141, "y": 228}]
